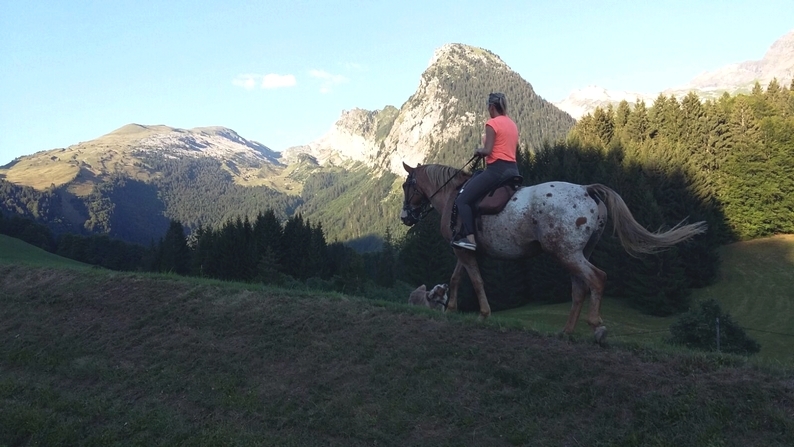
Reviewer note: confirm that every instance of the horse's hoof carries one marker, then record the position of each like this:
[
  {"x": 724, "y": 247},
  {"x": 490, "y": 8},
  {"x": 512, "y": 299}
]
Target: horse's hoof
[
  {"x": 483, "y": 317},
  {"x": 600, "y": 334}
]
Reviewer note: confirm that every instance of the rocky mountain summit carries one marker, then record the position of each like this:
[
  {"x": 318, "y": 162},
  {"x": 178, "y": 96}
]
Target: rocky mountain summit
[
  {"x": 777, "y": 63},
  {"x": 446, "y": 106}
]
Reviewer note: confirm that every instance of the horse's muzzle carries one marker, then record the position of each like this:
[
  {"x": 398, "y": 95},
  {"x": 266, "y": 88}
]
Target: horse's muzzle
[{"x": 408, "y": 218}]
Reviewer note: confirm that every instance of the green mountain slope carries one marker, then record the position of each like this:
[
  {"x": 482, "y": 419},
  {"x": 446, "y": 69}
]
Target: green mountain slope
[{"x": 15, "y": 251}]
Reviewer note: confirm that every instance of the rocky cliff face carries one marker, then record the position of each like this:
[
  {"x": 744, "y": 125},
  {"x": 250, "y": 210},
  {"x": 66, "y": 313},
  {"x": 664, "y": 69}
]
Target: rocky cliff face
[
  {"x": 357, "y": 136},
  {"x": 777, "y": 63},
  {"x": 431, "y": 115}
]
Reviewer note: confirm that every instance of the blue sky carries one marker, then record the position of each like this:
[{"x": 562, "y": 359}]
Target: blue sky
[{"x": 282, "y": 72}]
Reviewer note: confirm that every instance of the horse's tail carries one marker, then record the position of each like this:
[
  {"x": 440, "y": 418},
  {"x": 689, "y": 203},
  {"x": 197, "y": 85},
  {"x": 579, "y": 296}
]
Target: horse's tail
[{"x": 634, "y": 238}]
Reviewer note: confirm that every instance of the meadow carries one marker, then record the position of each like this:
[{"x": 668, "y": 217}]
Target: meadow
[
  {"x": 95, "y": 357},
  {"x": 755, "y": 286}
]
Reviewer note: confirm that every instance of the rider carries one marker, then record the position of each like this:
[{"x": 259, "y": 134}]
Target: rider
[{"x": 500, "y": 145}]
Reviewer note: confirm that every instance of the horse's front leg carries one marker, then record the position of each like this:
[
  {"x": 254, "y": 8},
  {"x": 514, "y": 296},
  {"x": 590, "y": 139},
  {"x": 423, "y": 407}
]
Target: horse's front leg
[
  {"x": 469, "y": 262},
  {"x": 454, "y": 282}
]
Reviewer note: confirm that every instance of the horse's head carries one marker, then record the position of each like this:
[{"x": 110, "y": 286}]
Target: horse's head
[{"x": 415, "y": 202}]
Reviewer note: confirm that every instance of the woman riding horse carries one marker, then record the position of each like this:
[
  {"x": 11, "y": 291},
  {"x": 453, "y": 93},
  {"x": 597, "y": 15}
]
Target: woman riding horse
[
  {"x": 499, "y": 150},
  {"x": 562, "y": 219}
]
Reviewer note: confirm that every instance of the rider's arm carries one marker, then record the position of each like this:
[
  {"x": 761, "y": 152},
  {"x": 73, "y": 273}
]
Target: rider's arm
[{"x": 490, "y": 137}]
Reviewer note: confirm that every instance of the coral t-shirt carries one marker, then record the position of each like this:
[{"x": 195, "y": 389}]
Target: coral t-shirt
[{"x": 506, "y": 140}]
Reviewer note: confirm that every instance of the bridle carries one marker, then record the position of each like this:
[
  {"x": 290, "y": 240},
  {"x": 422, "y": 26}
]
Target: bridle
[{"x": 417, "y": 213}]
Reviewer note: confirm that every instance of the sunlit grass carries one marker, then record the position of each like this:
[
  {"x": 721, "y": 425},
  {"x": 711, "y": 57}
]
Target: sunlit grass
[{"x": 756, "y": 286}]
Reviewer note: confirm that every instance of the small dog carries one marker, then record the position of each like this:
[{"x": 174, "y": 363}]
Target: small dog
[{"x": 435, "y": 299}]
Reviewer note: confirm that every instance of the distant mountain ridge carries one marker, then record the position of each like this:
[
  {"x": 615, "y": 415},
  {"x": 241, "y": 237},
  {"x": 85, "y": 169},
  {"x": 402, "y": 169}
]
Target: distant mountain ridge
[
  {"x": 125, "y": 151},
  {"x": 777, "y": 63}
]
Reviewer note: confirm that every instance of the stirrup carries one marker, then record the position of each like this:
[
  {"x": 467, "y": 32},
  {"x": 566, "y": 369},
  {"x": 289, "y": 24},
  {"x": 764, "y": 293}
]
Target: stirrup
[{"x": 464, "y": 244}]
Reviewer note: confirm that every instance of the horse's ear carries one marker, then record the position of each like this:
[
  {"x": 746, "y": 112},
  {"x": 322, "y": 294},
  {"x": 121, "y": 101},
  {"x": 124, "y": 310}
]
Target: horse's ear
[{"x": 408, "y": 169}]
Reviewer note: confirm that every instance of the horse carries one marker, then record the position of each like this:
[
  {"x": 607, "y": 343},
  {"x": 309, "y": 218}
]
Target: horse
[{"x": 562, "y": 219}]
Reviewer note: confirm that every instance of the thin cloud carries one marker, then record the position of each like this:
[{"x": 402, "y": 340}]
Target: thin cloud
[
  {"x": 328, "y": 79},
  {"x": 353, "y": 66},
  {"x": 268, "y": 81},
  {"x": 273, "y": 80},
  {"x": 246, "y": 81}
]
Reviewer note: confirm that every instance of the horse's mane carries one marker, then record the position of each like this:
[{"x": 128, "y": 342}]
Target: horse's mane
[{"x": 439, "y": 174}]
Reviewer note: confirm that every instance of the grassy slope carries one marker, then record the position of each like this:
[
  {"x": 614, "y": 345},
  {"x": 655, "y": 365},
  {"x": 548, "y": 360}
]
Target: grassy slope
[
  {"x": 13, "y": 250},
  {"x": 92, "y": 357},
  {"x": 755, "y": 286}
]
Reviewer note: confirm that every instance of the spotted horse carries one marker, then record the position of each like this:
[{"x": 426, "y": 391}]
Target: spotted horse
[{"x": 562, "y": 219}]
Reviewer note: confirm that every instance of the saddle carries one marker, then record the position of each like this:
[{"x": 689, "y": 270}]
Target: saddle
[
  {"x": 492, "y": 203},
  {"x": 496, "y": 200}
]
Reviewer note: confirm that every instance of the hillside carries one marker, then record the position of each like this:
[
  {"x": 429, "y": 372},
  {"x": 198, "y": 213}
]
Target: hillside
[
  {"x": 105, "y": 358},
  {"x": 17, "y": 251}
]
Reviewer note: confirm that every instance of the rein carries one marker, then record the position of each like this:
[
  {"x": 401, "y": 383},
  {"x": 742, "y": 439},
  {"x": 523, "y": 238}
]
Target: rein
[{"x": 426, "y": 206}]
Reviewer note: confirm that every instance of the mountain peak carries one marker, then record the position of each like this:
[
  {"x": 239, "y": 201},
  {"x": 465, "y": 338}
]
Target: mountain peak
[
  {"x": 458, "y": 53},
  {"x": 134, "y": 128}
]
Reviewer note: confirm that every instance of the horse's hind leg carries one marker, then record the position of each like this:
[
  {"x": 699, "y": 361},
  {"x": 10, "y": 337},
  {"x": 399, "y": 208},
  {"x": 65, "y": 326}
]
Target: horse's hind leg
[
  {"x": 582, "y": 271},
  {"x": 578, "y": 292}
]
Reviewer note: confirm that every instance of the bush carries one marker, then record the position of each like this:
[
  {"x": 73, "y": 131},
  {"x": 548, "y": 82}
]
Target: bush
[{"x": 697, "y": 329}]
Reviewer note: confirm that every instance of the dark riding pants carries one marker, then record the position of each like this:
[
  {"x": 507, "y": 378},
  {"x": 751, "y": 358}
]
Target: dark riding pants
[{"x": 477, "y": 188}]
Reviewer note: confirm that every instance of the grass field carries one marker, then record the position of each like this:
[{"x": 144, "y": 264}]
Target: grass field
[
  {"x": 13, "y": 250},
  {"x": 756, "y": 286},
  {"x": 100, "y": 358}
]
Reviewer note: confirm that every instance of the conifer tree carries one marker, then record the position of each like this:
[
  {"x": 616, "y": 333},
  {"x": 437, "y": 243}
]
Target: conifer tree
[
  {"x": 638, "y": 124},
  {"x": 174, "y": 254},
  {"x": 267, "y": 235},
  {"x": 385, "y": 274}
]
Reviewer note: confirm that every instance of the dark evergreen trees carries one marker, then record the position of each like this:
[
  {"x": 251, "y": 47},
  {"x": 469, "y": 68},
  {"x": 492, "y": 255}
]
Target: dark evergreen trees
[{"x": 173, "y": 255}]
